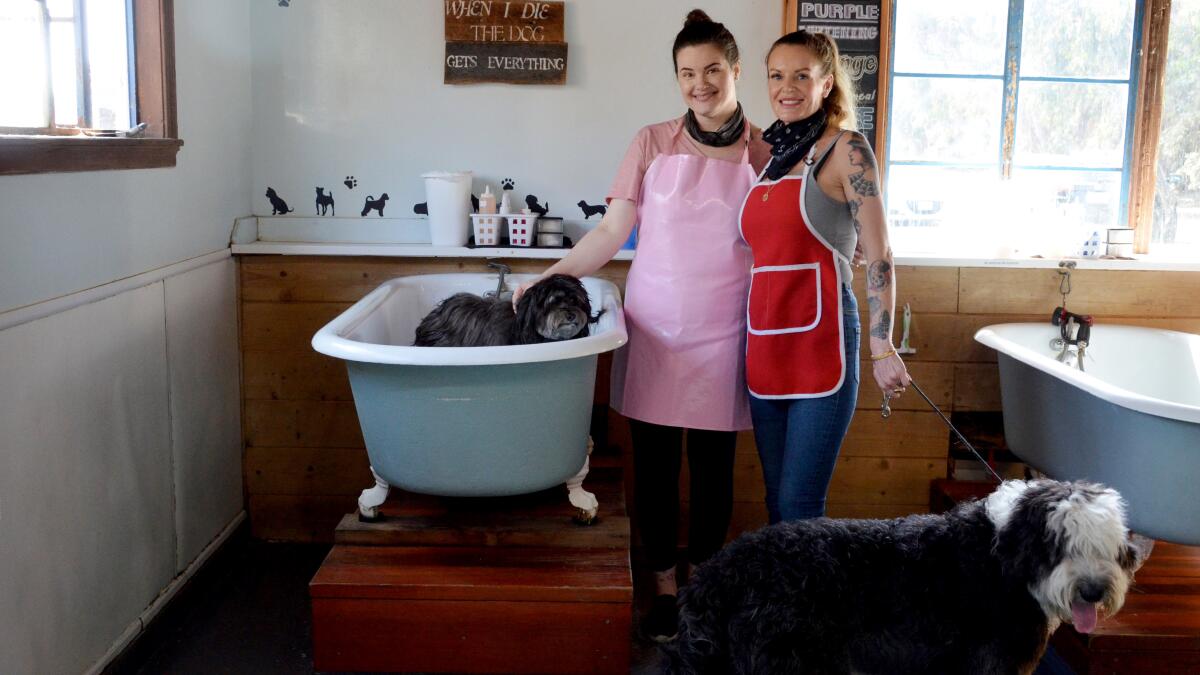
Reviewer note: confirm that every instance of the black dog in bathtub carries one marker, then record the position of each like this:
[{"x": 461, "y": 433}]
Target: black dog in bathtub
[{"x": 556, "y": 308}]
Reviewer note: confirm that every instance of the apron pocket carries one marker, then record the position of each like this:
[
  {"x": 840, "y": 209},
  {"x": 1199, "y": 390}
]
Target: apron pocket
[{"x": 784, "y": 299}]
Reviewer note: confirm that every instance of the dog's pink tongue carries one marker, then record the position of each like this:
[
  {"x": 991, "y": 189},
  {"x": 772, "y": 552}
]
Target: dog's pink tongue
[{"x": 1083, "y": 616}]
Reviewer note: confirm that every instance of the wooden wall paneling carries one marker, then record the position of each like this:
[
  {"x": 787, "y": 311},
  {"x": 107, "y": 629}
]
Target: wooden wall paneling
[
  {"x": 324, "y": 279},
  {"x": 925, "y": 289},
  {"x": 308, "y": 424},
  {"x": 307, "y": 471},
  {"x": 976, "y": 386},
  {"x": 935, "y": 378},
  {"x": 294, "y": 375},
  {"x": 911, "y": 434},
  {"x": 284, "y": 326},
  {"x": 951, "y": 337},
  {"x": 856, "y": 480},
  {"x": 1113, "y": 293}
]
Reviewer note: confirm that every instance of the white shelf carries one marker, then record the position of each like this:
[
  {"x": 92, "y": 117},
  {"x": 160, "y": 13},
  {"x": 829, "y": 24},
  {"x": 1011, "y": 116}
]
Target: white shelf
[{"x": 404, "y": 250}]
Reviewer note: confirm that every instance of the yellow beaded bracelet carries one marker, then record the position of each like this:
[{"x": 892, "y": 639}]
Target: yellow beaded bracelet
[{"x": 880, "y": 357}]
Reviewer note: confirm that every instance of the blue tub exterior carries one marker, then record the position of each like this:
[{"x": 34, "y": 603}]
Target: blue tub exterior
[{"x": 510, "y": 429}]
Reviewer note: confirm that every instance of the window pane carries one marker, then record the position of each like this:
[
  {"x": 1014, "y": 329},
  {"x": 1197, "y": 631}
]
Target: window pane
[
  {"x": 1177, "y": 193},
  {"x": 946, "y": 120},
  {"x": 62, "y": 69},
  {"x": 61, "y": 9},
  {"x": 1071, "y": 124},
  {"x": 939, "y": 209},
  {"x": 23, "y": 103},
  {"x": 108, "y": 61},
  {"x": 951, "y": 36},
  {"x": 1077, "y": 38},
  {"x": 1070, "y": 203}
]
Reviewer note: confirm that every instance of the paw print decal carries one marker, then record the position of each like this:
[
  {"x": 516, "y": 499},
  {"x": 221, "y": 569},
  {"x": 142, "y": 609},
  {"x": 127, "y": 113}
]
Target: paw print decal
[
  {"x": 507, "y": 184},
  {"x": 350, "y": 182}
]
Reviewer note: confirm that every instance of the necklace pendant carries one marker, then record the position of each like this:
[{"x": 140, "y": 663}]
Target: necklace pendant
[{"x": 766, "y": 195}]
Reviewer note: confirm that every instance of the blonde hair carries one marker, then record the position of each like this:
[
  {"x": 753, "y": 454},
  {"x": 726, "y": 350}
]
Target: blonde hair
[{"x": 839, "y": 105}]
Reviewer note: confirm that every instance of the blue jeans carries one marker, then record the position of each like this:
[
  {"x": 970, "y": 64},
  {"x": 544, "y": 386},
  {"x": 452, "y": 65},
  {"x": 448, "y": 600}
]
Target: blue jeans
[{"x": 798, "y": 439}]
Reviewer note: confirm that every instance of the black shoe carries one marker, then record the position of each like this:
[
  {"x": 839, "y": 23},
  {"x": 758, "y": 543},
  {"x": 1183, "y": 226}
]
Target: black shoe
[{"x": 661, "y": 623}]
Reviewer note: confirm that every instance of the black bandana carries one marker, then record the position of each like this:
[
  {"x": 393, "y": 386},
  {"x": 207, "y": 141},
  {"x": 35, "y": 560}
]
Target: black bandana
[
  {"x": 791, "y": 142},
  {"x": 728, "y": 134}
]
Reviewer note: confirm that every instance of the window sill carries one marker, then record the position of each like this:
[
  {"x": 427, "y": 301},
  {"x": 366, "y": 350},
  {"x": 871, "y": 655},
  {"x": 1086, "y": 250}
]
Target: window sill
[{"x": 51, "y": 154}]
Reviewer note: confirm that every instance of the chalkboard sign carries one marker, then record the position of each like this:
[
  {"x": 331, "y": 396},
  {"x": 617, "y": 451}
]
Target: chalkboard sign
[
  {"x": 855, "y": 26},
  {"x": 854, "y": 23},
  {"x": 509, "y": 41}
]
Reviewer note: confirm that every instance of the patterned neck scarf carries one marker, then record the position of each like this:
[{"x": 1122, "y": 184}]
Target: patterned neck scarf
[
  {"x": 791, "y": 142},
  {"x": 728, "y": 134}
]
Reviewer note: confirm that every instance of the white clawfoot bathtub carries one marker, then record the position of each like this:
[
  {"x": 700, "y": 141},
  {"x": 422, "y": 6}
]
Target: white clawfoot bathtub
[
  {"x": 1131, "y": 420},
  {"x": 468, "y": 421}
]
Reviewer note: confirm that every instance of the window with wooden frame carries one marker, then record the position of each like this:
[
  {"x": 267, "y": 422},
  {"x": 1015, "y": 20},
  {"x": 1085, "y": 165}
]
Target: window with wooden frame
[
  {"x": 1010, "y": 126},
  {"x": 94, "y": 89}
]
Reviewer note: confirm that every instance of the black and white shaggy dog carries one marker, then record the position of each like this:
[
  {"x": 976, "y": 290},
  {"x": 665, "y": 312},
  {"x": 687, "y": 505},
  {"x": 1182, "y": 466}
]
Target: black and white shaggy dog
[
  {"x": 977, "y": 590},
  {"x": 555, "y": 308}
]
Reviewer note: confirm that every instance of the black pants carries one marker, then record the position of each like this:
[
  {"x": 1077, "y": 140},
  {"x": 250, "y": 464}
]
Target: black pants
[{"x": 657, "y": 455}]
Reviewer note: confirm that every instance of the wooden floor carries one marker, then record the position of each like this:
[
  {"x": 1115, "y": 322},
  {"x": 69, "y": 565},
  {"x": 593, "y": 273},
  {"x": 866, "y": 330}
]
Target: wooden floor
[{"x": 479, "y": 586}]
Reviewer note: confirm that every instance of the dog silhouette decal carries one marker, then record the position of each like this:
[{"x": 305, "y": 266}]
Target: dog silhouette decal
[
  {"x": 376, "y": 204},
  {"x": 278, "y": 206}
]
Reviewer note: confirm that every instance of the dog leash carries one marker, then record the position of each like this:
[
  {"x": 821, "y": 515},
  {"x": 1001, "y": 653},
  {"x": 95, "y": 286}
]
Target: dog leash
[{"x": 887, "y": 412}]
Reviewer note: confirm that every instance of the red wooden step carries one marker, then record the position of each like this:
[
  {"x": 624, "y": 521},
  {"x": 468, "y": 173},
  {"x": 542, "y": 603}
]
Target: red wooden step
[{"x": 473, "y": 609}]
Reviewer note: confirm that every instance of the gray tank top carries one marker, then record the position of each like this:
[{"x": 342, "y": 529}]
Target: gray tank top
[{"x": 832, "y": 219}]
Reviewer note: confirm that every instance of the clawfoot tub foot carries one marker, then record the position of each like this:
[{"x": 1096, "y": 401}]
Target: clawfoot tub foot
[
  {"x": 585, "y": 503},
  {"x": 371, "y": 499}
]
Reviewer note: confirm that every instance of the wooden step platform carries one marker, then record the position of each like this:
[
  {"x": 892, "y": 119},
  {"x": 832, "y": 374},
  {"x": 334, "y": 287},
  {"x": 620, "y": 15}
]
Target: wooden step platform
[
  {"x": 508, "y": 585},
  {"x": 1158, "y": 630}
]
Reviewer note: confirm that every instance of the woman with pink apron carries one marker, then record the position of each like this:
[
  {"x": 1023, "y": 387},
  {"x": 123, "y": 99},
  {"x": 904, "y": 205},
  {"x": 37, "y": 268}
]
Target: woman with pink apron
[
  {"x": 817, "y": 199},
  {"x": 682, "y": 182}
]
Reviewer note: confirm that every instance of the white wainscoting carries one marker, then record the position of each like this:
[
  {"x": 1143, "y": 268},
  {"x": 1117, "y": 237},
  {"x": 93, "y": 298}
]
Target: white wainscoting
[{"x": 120, "y": 458}]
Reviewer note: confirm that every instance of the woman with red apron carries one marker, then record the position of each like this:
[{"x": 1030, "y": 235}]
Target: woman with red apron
[
  {"x": 802, "y": 222},
  {"x": 683, "y": 181}
]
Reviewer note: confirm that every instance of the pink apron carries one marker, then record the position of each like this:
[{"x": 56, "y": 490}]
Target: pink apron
[{"x": 685, "y": 298}]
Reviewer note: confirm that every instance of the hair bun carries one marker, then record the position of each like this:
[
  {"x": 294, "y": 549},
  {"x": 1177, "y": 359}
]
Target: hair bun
[{"x": 697, "y": 16}]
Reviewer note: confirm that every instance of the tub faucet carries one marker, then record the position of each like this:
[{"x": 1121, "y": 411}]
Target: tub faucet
[
  {"x": 503, "y": 270},
  {"x": 1075, "y": 330}
]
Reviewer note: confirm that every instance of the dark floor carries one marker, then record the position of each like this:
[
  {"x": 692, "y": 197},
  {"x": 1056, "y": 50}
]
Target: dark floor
[{"x": 248, "y": 611}]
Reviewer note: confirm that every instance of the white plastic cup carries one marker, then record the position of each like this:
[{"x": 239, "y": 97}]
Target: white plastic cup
[{"x": 448, "y": 197}]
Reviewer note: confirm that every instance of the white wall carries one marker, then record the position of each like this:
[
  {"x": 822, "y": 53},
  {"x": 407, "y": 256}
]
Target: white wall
[
  {"x": 355, "y": 88},
  {"x": 61, "y": 233},
  {"x": 120, "y": 452}
]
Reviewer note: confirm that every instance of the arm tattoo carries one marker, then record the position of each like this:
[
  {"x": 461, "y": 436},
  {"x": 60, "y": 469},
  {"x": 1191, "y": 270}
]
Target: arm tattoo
[
  {"x": 882, "y": 327},
  {"x": 854, "y": 205},
  {"x": 863, "y": 185},
  {"x": 872, "y": 305},
  {"x": 879, "y": 275},
  {"x": 863, "y": 158}
]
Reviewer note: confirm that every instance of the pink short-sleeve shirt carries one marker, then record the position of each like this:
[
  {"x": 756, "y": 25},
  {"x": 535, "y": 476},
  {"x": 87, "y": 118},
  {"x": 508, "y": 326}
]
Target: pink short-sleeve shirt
[{"x": 672, "y": 139}]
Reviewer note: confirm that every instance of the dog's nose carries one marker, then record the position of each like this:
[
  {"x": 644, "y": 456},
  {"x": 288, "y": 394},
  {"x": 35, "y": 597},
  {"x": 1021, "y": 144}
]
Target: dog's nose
[{"x": 1091, "y": 591}]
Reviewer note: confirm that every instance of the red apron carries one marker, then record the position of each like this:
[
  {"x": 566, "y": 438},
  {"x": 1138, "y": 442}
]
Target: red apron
[{"x": 794, "y": 343}]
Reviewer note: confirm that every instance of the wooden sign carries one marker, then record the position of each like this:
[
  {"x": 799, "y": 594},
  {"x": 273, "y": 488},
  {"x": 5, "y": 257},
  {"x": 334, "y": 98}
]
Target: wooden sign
[
  {"x": 503, "y": 21},
  {"x": 475, "y": 62},
  {"x": 509, "y": 41}
]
